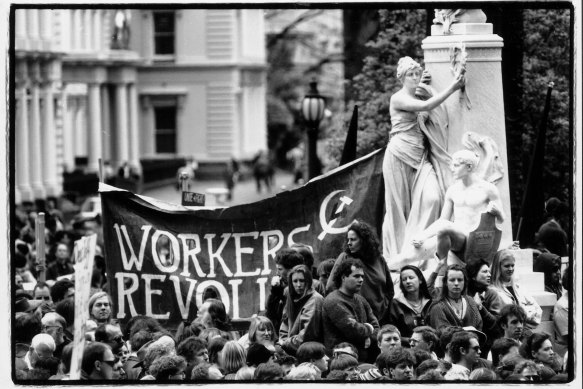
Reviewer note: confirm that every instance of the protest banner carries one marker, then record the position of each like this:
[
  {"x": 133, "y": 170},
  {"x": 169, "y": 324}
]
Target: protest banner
[
  {"x": 161, "y": 257},
  {"x": 83, "y": 253}
]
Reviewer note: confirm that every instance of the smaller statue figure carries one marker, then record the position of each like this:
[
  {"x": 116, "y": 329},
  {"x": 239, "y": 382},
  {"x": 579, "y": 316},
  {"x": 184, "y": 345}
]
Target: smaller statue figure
[
  {"x": 121, "y": 32},
  {"x": 447, "y": 17},
  {"x": 465, "y": 201}
]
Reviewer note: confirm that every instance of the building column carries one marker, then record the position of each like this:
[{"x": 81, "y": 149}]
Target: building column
[
  {"x": 35, "y": 157},
  {"x": 87, "y": 30},
  {"x": 32, "y": 24},
  {"x": 22, "y": 178},
  {"x": 69, "y": 114},
  {"x": 46, "y": 28},
  {"x": 121, "y": 126},
  {"x": 97, "y": 30},
  {"x": 20, "y": 31},
  {"x": 76, "y": 28},
  {"x": 94, "y": 145},
  {"x": 49, "y": 141},
  {"x": 106, "y": 123},
  {"x": 134, "y": 128}
]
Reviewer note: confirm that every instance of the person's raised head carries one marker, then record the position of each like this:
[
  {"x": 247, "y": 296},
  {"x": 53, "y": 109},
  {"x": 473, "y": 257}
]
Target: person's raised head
[
  {"x": 464, "y": 346},
  {"x": 388, "y": 337},
  {"x": 345, "y": 269},
  {"x": 511, "y": 320},
  {"x": 285, "y": 260},
  {"x": 412, "y": 274}
]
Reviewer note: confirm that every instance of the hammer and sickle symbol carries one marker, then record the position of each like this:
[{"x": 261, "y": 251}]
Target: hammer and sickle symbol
[{"x": 327, "y": 226}]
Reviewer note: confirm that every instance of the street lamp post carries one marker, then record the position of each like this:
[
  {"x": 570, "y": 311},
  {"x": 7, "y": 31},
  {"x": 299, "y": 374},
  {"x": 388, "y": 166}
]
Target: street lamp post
[{"x": 313, "y": 106}]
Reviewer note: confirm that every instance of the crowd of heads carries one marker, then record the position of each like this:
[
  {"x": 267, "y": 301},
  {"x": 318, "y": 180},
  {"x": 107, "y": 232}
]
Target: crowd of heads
[{"x": 209, "y": 348}]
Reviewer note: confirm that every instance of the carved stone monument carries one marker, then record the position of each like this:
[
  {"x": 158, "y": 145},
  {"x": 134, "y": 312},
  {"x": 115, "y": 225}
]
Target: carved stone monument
[
  {"x": 463, "y": 38},
  {"x": 484, "y": 241}
]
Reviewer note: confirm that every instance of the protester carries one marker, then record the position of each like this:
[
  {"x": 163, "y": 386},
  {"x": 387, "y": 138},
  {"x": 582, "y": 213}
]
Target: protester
[
  {"x": 285, "y": 260},
  {"x": 454, "y": 307},
  {"x": 377, "y": 288},
  {"x": 388, "y": 337},
  {"x": 232, "y": 358},
  {"x": 551, "y": 235},
  {"x": 561, "y": 316},
  {"x": 396, "y": 364},
  {"x": 505, "y": 290},
  {"x": 313, "y": 353},
  {"x": 99, "y": 363},
  {"x": 549, "y": 264},
  {"x": 303, "y": 302},
  {"x": 346, "y": 315},
  {"x": 262, "y": 331},
  {"x": 464, "y": 351},
  {"x": 100, "y": 308},
  {"x": 409, "y": 309},
  {"x": 424, "y": 338}
]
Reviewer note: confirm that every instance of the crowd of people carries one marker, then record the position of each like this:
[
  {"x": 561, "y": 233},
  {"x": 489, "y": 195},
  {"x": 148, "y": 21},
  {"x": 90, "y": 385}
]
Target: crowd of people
[{"x": 343, "y": 320}]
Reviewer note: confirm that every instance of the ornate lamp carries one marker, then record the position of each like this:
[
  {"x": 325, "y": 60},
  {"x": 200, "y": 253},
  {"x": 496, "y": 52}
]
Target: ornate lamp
[{"x": 313, "y": 107}]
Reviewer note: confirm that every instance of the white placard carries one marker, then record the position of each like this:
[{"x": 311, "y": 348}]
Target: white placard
[{"x": 83, "y": 253}]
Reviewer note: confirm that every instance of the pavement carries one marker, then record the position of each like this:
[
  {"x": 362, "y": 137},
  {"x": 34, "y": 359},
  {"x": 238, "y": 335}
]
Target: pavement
[{"x": 245, "y": 191}]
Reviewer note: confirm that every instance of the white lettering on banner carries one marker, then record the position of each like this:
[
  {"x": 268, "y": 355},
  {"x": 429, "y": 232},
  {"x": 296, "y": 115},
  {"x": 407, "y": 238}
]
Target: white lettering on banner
[
  {"x": 191, "y": 253},
  {"x": 261, "y": 282},
  {"x": 217, "y": 254},
  {"x": 123, "y": 292},
  {"x": 290, "y": 237},
  {"x": 83, "y": 253},
  {"x": 175, "y": 250},
  {"x": 149, "y": 292},
  {"x": 235, "y": 288},
  {"x": 137, "y": 261},
  {"x": 327, "y": 226},
  {"x": 239, "y": 251},
  {"x": 184, "y": 307},
  {"x": 267, "y": 252}
]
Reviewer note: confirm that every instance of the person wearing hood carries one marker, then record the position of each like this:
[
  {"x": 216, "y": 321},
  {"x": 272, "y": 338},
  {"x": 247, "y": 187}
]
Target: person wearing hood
[
  {"x": 303, "y": 302},
  {"x": 409, "y": 309},
  {"x": 549, "y": 264}
]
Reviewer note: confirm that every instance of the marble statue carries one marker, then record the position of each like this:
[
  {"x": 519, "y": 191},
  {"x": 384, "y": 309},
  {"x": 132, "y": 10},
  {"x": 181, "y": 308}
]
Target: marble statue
[{"x": 416, "y": 162}]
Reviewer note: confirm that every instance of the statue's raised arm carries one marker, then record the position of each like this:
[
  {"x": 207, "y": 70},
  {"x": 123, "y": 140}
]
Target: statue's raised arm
[{"x": 413, "y": 190}]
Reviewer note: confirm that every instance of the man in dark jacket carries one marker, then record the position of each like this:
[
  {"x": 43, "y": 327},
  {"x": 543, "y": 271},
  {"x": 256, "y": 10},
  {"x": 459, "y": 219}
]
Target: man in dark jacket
[{"x": 346, "y": 315}]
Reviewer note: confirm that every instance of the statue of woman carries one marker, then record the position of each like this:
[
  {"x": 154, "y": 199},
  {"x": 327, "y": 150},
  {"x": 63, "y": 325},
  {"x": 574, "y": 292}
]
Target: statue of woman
[{"x": 413, "y": 175}]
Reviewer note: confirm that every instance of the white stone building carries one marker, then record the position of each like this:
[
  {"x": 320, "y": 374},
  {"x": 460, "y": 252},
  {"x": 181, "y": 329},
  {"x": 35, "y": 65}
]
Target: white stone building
[{"x": 124, "y": 85}]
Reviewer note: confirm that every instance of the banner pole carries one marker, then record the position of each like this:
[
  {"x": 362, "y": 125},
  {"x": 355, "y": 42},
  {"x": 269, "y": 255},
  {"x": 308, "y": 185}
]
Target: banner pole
[{"x": 40, "y": 245}]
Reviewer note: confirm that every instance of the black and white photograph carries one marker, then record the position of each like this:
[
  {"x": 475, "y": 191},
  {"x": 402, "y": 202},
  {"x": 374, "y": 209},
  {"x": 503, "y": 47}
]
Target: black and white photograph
[{"x": 355, "y": 193}]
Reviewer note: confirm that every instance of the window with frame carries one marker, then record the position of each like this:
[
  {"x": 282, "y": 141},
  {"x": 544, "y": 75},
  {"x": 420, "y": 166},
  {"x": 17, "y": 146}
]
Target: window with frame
[
  {"x": 165, "y": 131},
  {"x": 164, "y": 33}
]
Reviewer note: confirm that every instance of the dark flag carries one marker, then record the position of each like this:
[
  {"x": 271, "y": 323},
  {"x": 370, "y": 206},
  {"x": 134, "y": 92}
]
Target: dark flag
[
  {"x": 162, "y": 257},
  {"x": 533, "y": 201},
  {"x": 349, "y": 151}
]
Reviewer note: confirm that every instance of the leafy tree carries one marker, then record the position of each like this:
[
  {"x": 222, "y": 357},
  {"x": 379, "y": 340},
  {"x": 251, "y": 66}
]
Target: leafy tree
[{"x": 536, "y": 52}]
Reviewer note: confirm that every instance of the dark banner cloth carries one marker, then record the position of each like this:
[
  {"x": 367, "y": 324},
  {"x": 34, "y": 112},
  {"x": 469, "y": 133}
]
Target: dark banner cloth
[{"x": 162, "y": 257}]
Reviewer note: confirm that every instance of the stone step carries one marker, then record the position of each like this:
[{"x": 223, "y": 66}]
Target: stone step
[{"x": 530, "y": 282}]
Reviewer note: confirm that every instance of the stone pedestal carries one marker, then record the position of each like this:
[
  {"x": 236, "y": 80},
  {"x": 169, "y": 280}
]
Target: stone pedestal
[{"x": 480, "y": 108}]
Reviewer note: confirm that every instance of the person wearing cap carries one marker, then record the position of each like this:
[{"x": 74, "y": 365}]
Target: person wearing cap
[{"x": 464, "y": 351}]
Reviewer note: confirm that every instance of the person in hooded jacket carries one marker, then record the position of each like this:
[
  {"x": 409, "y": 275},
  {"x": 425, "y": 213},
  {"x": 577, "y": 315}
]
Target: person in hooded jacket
[
  {"x": 303, "y": 302},
  {"x": 409, "y": 309}
]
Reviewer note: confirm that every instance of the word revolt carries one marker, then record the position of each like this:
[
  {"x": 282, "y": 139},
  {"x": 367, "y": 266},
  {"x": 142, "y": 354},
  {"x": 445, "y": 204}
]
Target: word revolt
[{"x": 229, "y": 262}]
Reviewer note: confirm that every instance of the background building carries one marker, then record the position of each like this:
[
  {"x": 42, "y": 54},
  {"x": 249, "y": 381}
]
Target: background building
[{"x": 135, "y": 88}]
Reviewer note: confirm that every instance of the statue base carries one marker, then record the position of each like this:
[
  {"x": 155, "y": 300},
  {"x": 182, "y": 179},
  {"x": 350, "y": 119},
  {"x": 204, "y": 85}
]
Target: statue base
[{"x": 463, "y": 29}]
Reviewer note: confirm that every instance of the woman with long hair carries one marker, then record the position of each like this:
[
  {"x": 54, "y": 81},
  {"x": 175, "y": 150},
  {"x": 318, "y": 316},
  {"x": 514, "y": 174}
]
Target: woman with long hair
[
  {"x": 233, "y": 357},
  {"x": 453, "y": 307},
  {"x": 413, "y": 175},
  {"x": 212, "y": 314},
  {"x": 313, "y": 354},
  {"x": 409, "y": 309},
  {"x": 377, "y": 288},
  {"x": 504, "y": 290},
  {"x": 261, "y": 331},
  {"x": 303, "y": 302}
]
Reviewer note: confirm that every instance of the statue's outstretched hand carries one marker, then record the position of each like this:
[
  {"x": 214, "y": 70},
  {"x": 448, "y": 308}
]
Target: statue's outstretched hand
[
  {"x": 460, "y": 79},
  {"x": 417, "y": 243},
  {"x": 425, "y": 77}
]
